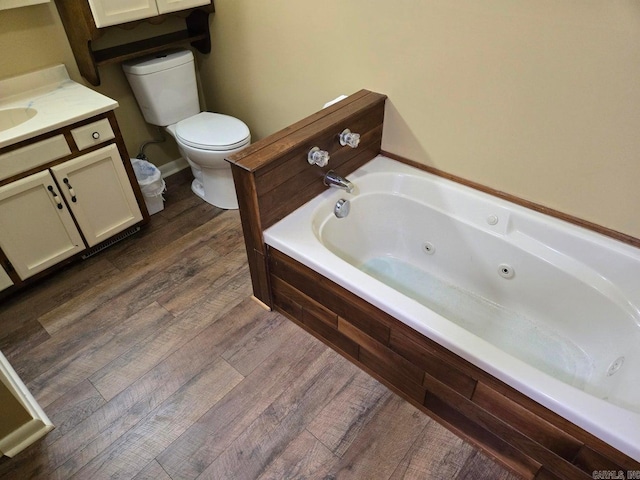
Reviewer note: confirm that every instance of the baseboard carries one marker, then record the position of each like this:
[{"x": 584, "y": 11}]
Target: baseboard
[{"x": 172, "y": 167}]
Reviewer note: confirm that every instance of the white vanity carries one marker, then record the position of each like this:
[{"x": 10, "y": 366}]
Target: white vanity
[{"x": 66, "y": 184}]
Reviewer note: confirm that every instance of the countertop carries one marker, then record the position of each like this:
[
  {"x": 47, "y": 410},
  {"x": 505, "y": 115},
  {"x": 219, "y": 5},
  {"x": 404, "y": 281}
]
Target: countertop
[{"x": 59, "y": 101}]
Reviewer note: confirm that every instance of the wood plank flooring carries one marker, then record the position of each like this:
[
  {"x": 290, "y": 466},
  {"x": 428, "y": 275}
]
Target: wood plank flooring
[{"x": 153, "y": 363}]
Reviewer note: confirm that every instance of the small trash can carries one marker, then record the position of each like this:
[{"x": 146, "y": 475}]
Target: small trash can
[{"x": 151, "y": 184}]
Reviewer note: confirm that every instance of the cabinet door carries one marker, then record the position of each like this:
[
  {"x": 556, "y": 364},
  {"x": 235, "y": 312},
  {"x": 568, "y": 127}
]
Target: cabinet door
[
  {"x": 97, "y": 189},
  {"x": 166, "y": 6},
  {"x": 114, "y": 12},
  {"x": 36, "y": 228},
  {"x": 5, "y": 280}
]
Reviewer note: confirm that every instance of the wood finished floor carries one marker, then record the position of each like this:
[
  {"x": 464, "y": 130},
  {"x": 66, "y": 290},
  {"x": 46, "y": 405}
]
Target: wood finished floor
[{"x": 153, "y": 363}]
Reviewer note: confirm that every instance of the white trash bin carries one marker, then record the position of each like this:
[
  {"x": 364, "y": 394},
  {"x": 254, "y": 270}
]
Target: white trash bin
[{"x": 151, "y": 184}]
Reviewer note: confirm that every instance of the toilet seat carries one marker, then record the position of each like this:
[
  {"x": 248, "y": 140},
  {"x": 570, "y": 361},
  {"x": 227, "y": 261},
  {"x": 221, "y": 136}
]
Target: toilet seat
[{"x": 212, "y": 131}]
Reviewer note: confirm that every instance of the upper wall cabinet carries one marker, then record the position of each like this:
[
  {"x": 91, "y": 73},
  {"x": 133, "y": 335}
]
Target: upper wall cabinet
[
  {"x": 110, "y": 12},
  {"x": 86, "y": 20}
]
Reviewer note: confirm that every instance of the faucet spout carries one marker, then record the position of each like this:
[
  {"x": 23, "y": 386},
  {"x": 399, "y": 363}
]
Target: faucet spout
[{"x": 332, "y": 179}]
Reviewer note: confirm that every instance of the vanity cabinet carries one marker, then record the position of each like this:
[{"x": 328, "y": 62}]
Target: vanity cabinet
[
  {"x": 65, "y": 204},
  {"x": 107, "y": 12}
]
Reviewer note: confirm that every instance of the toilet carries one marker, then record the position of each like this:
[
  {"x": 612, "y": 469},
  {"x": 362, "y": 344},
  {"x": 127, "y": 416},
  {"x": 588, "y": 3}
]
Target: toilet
[{"x": 165, "y": 88}]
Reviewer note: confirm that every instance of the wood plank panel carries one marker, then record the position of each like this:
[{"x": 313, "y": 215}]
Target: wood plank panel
[
  {"x": 308, "y": 305},
  {"x": 589, "y": 460},
  {"x": 367, "y": 123},
  {"x": 252, "y": 231},
  {"x": 526, "y": 422},
  {"x": 492, "y": 444},
  {"x": 501, "y": 429},
  {"x": 335, "y": 337},
  {"x": 429, "y": 360},
  {"x": 278, "y": 203},
  {"x": 343, "y": 303}
]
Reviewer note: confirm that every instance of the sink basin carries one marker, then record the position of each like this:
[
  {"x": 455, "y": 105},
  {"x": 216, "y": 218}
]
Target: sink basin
[{"x": 12, "y": 117}]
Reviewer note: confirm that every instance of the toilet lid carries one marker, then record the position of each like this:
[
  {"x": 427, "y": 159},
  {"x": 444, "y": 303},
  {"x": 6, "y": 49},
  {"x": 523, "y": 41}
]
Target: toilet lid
[{"x": 212, "y": 131}]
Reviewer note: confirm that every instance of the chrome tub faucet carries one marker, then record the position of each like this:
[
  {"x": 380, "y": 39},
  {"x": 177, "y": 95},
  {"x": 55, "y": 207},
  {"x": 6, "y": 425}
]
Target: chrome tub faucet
[{"x": 332, "y": 179}]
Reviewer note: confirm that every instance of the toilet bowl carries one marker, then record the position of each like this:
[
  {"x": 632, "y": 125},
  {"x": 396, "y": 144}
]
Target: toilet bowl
[
  {"x": 165, "y": 88},
  {"x": 205, "y": 140}
]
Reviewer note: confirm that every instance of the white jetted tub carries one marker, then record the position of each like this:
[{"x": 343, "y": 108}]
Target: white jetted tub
[{"x": 549, "y": 308}]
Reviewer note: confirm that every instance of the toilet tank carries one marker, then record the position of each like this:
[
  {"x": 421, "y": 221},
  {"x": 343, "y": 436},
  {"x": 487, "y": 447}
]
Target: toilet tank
[{"x": 164, "y": 85}]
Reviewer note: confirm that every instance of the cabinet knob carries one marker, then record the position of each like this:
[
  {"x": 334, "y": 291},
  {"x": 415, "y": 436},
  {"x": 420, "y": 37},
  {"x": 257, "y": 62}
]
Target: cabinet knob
[{"x": 95, "y": 135}]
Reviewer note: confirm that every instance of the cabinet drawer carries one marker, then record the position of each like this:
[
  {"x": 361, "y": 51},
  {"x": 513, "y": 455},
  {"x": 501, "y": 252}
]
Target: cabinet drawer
[
  {"x": 34, "y": 155},
  {"x": 92, "y": 134}
]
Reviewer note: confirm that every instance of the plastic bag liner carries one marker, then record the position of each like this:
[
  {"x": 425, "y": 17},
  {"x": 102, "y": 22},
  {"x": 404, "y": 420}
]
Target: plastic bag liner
[{"x": 149, "y": 178}]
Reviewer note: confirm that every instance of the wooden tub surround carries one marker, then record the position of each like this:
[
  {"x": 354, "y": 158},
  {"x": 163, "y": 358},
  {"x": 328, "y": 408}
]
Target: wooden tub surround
[{"x": 272, "y": 179}]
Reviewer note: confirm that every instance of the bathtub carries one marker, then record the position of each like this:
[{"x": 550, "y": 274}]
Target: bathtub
[{"x": 549, "y": 308}]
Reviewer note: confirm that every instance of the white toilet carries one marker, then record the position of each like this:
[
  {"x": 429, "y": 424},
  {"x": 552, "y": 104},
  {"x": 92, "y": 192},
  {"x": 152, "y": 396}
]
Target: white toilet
[{"x": 165, "y": 87}]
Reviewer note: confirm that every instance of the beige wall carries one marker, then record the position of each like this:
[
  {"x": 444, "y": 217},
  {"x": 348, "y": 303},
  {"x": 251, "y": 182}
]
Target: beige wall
[
  {"x": 31, "y": 38},
  {"x": 538, "y": 98}
]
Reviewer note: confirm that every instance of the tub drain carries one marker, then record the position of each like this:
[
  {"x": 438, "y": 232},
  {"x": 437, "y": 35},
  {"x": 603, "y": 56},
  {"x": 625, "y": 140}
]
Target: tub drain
[{"x": 615, "y": 366}]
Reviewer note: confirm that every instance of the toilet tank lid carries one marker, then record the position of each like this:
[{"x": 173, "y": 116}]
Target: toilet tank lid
[
  {"x": 157, "y": 62},
  {"x": 212, "y": 131}
]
